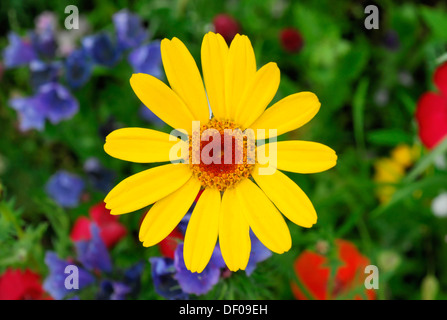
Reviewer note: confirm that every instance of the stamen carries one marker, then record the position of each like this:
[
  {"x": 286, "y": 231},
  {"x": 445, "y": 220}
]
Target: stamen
[{"x": 221, "y": 172}]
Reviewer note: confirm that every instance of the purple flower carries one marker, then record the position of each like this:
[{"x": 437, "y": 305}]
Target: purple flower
[
  {"x": 93, "y": 253},
  {"x": 102, "y": 49},
  {"x": 147, "y": 115},
  {"x": 58, "y": 101},
  {"x": 147, "y": 59},
  {"x": 129, "y": 29},
  {"x": 163, "y": 271},
  {"x": 258, "y": 253},
  {"x": 65, "y": 188},
  {"x": 44, "y": 42},
  {"x": 101, "y": 178},
  {"x": 19, "y": 52},
  {"x": 31, "y": 113},
  {"x": 54, "y": 284},
  {"x": 46, "y": 20},
  {"x": 183, "y": 224},
  {"x": 108, "y": 126},
  {"x": 43, "y": 73},
  {"x": 78, "y": 68},
  {"x": 112, "y": 290},
  {"x": 132, "y": 277},
  {"x": 198, "y": 283}
]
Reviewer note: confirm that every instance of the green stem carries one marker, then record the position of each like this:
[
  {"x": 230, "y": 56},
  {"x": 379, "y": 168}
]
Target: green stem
[
  {"x": 9, "y": 216},
  {"x": 303, "y": 288}
]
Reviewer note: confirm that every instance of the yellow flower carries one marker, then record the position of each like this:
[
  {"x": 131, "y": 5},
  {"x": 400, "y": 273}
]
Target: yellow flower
[
  {"x": 390, "y": 171},
  {"x": 404, "y": 155},
  {"x": 231, "y": 202}
]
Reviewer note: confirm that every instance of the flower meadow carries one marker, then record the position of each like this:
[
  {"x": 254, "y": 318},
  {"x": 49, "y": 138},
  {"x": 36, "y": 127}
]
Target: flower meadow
[{"x": 91, "y": 209}]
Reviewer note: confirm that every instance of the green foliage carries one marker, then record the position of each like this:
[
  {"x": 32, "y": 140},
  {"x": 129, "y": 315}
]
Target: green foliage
[{"x": 368, "y": 93}]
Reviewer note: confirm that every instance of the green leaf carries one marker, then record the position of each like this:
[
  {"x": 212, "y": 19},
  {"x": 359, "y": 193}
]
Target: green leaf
[
  {"x": 436, "y": 20},
  {"x": 358, "y": 109},
  {"x": 389, "y": 137},
  {"x": 426, "y": 161}
]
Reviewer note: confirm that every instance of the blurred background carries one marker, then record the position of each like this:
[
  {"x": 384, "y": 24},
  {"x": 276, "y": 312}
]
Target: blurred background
[{"x": 384, "y": 204}]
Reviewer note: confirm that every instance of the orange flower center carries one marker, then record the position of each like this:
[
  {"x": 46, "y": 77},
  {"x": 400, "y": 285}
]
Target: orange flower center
[{"x": 221, "y": 155}]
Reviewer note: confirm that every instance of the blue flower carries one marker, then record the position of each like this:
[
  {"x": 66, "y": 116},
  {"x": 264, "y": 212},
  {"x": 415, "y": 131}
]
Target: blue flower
[
  {"x": 102, "y": 49},
  {"x": 112, "y": 290},
  {"x": 58, "y": 101},
  {"x": 101, "y": 178},
  {"x": 54, "y": 284},
  {"x": 129, "y": 29},
  {"x": 128, "y": 285},
  {"x": 93, "y": 253},
  {"x": 258, "y": 253},
  {"x": 132, "y": 277},
  {"x": 78, "y": 68},
  {"x": 65, "y": 188},
  {"x": 19, "y": 52},
  {"x": 198, "y": 283},
  {"x": 43, "y": 73},
  {"x": 163, "y": 271},
  {"x": 147, "y": 59},
  {"x": 32, "y": 115},
  {"x": 52, "y": 101}
]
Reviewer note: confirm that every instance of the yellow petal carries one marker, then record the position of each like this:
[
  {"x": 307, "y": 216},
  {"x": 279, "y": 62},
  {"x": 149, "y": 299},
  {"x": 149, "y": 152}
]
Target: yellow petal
[
  {"x": 240, "y": 68},
  {"x": 259, "y": 93},
  {"x": 140, "y": 145},
  {"x": 264, "y": 219},
  {"x": 202, "y": 231},
  {"x": 166, "y": 213},
  {"x": 162, "y": 101},
  {"x": 297, "y": 156},
  {"x": 288, "y": 197},
  {"x": 184, "y": 77},
  {"x": 214, "y": 55},
  {"x": 288, "y": 114},
  {"x": 234, "y": 233},
  {"x": 146, "y": 187}
]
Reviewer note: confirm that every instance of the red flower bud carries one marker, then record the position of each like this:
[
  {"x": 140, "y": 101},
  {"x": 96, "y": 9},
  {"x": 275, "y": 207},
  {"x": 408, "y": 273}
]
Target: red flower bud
[
  {"x": 226, "y": 26},
  {"x": 291, "y": 40}
]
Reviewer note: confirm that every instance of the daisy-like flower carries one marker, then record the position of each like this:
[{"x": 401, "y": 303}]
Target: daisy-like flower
[{"x": 237, "y": 195}]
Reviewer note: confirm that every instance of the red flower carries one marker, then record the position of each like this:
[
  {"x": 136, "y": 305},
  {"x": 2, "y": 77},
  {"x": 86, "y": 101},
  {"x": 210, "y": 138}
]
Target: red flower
[
  {"x": 169, "y": 244},
  {"x": 111, "y": 231},
  {"x": 226, "y": 26},
  {"x": 312, "y": 271},
  {"x": 291, "y": 40},
  {"x": 21, "y": 285},
  {"x": 431, "y": 111}
]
